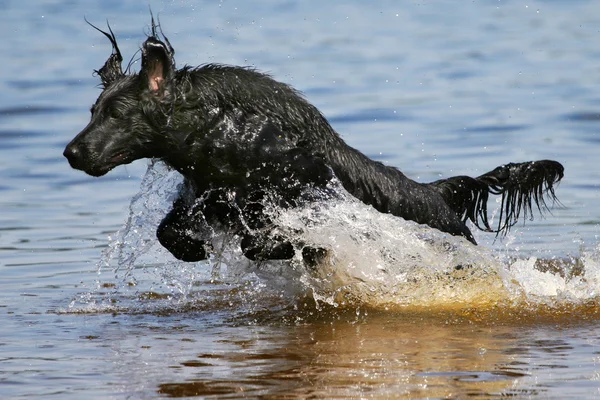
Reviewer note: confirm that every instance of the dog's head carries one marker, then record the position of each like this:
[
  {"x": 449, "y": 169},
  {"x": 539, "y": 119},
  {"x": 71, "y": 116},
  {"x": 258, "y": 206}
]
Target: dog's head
[{"x": 127, "y": 116}]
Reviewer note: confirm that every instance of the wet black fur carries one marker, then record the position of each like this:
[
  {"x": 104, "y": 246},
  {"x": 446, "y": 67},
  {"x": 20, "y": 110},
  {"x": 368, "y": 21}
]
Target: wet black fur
[{"x": 244, "y": 141}]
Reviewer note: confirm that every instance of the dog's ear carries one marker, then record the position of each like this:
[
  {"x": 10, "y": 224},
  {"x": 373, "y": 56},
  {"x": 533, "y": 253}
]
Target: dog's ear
[
  {"x": 111, "y": 71},
  {"x": 158, "y": 62}
]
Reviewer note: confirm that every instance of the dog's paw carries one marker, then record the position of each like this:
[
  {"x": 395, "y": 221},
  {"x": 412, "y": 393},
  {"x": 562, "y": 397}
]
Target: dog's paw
[{"x": 314, "y": 256}]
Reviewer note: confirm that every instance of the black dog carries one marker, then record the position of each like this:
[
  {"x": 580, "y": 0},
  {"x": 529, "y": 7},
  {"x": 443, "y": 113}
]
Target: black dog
[{"x": 244, "y": 141}]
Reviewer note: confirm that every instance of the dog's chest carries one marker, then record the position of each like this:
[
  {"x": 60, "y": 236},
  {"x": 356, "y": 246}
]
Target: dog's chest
[{"x": 225, "y": 155}]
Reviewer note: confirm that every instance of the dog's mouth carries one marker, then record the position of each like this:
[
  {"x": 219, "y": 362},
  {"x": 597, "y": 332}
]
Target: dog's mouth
[
  {"x": 102, "y": 168},
  {"x": 97, "y": 171},
  {"x": 120, "y": 158},
  {"x": 114, "y": 161}
]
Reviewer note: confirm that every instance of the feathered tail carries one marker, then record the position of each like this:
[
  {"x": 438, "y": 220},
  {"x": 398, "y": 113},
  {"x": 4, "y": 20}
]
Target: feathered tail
[{"x": 522, "y": 185}]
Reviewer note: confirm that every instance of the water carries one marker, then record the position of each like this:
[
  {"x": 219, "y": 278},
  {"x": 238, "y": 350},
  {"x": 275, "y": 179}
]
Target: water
[{"x": 92, "y": 307}]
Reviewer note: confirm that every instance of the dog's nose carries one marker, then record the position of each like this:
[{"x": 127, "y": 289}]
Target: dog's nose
[{"x": 73, "y": 154}]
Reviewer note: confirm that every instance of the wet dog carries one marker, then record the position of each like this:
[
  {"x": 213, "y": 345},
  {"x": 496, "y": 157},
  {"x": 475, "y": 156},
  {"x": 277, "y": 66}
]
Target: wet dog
[{"x": 244, "y": 141}]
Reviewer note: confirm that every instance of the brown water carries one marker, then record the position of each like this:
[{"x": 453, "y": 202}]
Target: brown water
[
  {"x": 92, "y": 307},
  {"x": 393, "y": 356}
]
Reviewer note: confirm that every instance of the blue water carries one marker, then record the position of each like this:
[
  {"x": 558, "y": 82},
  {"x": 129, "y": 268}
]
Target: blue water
[{"x": 434, "y": 88}]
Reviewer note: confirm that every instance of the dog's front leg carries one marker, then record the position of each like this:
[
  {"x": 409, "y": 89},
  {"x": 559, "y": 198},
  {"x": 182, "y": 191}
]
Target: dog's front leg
[
  {"x": 261, "y": 243},
  {"x": 264, "y": 247},
  {"x": 185, "y": 232},
  {"x": 260, "y": 247}
]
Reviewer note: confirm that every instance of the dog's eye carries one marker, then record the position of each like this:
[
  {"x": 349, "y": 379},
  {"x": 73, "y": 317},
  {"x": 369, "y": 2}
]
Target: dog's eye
[{"x": 115, "y": 113}]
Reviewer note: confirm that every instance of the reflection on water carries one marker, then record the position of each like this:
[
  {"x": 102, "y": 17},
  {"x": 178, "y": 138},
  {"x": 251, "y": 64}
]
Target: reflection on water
[
  {"x": 340, "y": 356},
  {"x": 378, "y": 358}
]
